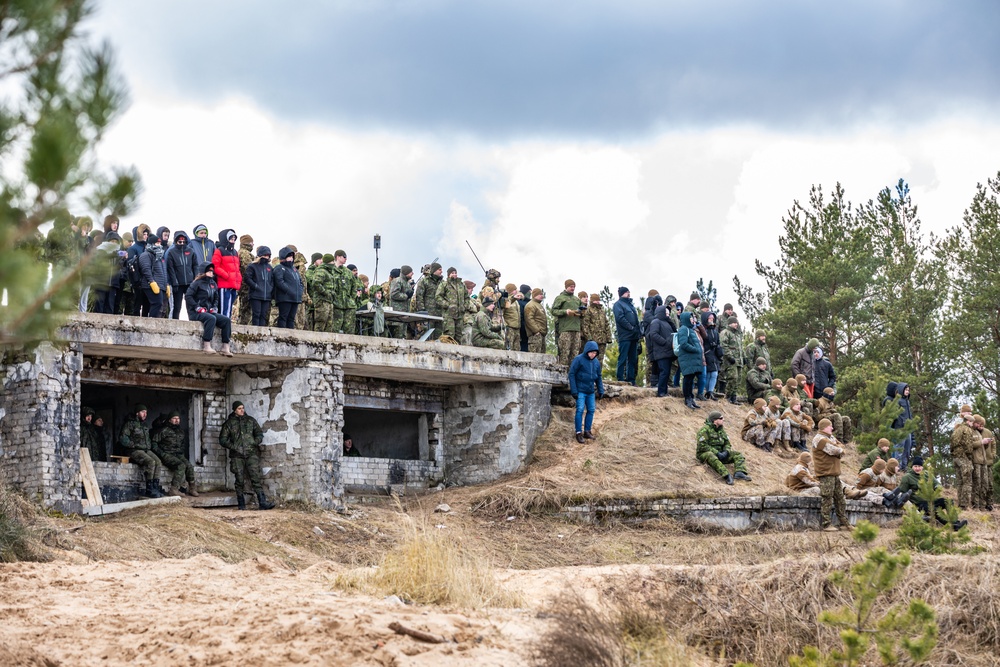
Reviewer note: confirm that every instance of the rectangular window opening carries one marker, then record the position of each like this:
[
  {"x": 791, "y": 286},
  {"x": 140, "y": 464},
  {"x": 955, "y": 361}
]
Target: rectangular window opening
[{"x": 388, "y": 434}]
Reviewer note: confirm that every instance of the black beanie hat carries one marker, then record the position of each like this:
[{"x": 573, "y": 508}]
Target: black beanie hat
[
  {"x": 622, "y": 290},
  {"x": 525, "y": 290},
  {"x": 917, "y": 461},
  {"x": 237, "y": 404}
]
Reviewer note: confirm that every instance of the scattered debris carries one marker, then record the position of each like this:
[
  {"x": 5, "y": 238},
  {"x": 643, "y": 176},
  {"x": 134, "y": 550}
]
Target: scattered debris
[{"x": 400, "y": 629}]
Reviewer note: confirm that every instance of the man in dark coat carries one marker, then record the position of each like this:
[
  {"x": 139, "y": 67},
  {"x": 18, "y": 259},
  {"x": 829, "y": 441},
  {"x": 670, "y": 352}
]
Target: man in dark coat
[
  {"x": 288, "y": 288},
  {"x": 628, "y": 333},
  {"x": 660, "y": 347}
]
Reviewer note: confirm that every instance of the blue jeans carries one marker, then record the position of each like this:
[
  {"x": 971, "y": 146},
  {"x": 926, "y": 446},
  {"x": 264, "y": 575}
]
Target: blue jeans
[
  {"x": 713, "y": 377},
  {"x": 902, "y": 451},
  {"x": 584, "y": 401},
  {"x": 628, "y": 360},
  {"x": 702, "y": 380}
]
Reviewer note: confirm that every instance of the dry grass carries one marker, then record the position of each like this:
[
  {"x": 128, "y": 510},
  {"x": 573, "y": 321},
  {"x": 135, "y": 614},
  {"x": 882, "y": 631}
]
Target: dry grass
[
  {"x": 644, "y": 450},
  {"x": 20, "y": 534},
  {"x": 431, "y": 567}
]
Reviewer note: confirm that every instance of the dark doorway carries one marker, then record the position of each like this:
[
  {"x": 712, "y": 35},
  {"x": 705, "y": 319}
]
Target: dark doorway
[
  {"x": 384, "y": 434},
  {"x": 115, "y": 403}
]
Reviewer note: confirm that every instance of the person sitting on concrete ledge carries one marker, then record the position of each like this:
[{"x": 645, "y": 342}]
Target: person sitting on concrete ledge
[
  {"x": 204, "y": 305},
  {"x": 715, "y": 450},
  {"x": 892, "y": 476},
  {"x": 800, "y": 479},
  {"x": 908, "y": 488},
  {"x": 349, "y": 448}
]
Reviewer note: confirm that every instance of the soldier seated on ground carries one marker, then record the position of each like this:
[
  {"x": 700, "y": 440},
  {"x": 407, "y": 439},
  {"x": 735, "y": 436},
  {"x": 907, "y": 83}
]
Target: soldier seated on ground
[
  {"x": 909, "y": 486},
  {"x": 880, "y": 452},
  {"x": 869, "y": 484},
  {"x": 801, "y": 479},
  {"x": 758, "y": 429},
  {"x": 349, "y": 448},
  {"x": 801, "y": 424},
  {"x": 715, "y": 450},
  {"x": 892, "y": 476},
  {"x": 826, "y": 408}
]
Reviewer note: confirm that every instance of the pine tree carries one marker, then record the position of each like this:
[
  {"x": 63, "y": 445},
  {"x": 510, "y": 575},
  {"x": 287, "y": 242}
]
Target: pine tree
[
  {"x": 708, "y": 294},
  {"x": 67, "y": 94}
]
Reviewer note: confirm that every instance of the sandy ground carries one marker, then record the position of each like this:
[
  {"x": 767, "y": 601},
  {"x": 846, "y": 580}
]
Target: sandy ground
[{"x": 203, "y": 611}]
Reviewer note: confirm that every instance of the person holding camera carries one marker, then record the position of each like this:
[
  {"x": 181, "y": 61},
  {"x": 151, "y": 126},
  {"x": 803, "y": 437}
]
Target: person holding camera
[{"x": 203, "y": 303}]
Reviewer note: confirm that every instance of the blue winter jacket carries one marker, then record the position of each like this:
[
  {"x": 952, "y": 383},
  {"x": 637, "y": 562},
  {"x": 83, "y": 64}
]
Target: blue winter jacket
[
  {"x": 690, "y": 346},
  {"x": 584, "y": 373},
  {"x": 626, "y": 320}
]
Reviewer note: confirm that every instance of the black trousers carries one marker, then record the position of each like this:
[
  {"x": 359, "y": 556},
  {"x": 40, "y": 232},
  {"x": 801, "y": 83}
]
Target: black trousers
[
  {"x": 212, "y": 320},
  {"x": 286, "y": 315},
  {"x": 260, "y": 312},
  {"x": 178, "y": 296}
]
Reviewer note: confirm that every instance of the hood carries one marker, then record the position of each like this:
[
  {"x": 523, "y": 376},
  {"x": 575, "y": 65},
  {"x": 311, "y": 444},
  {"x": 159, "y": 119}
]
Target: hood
[
  {"x": 901, "y": 388},
  {"x": 160, "y": 230},
  {"x": 686, "y": 319},
  {"x": 654, "y": 302},
  {"x": 179, "y": 234},
  {"x": 820, "y": 350},
  {"x": 591, "y": 346},
  {"x": 224, "y": 237},
  {"x": 704, "y": 319},
  {"x": 263, "y": 250},
  {"x": 890, "y": 389},
  {"x": 660, "y": 313},
  {"x": 205, "y": 266}
]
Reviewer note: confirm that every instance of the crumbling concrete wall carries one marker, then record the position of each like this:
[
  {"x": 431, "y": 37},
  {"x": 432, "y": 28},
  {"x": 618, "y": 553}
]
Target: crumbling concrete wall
[
  {"x": 40, "y": 425},
  {"x": 490, "y": 429}
]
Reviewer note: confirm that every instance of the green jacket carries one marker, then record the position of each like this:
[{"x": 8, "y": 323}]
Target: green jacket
[
  {"x": 134, "y": 435},
  {"x": 758, "y": 383},
  {"x": 873, "y": 456},
  {"x": 91, "y": 438},
  {"x": 712, "y": 439},
  {"x": 485, "y": 328},
  {"x": 758, "y": 349},
  {"x": 170, "y": 440},
  {"x": 566, "y": 301},
  {"x": 911, "y": 482},
  {"x": 241, "y": 435},
  {"x": 451, "y": 298},
  {"x": 321, "y": 284},
  {"x": 343, "y": 290},
  {"x": 426, "y": 294}
]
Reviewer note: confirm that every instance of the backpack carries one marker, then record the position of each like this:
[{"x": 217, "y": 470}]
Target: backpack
[
  {"x": 132, "y": 270},
  {"x": 677, "y": 346}
]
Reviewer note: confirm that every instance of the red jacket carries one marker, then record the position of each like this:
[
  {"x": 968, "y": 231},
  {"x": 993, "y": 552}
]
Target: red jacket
[{"x": 227, "y": 263}]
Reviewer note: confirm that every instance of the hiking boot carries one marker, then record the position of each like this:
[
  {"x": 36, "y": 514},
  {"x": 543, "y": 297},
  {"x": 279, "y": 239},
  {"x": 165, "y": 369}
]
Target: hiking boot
[
  {"x": 732, "y": 399},
  {"x": 959, "y": 525},
  {"x": 713, "y": 396},
  {"x": 588, "y": 435},
  {"x": 262, "y": 502},
  {"x": 768, "y": 447},
  {"x": 241, "y": 501},
  {"x": 844, "y": 527},
  {"x": 689, "y": 402},
  {"x": 192, "y": 490},
  {"x": 695, "y": 405},
  {"x": 742, "y": 476},
  {"x": 579, "y": 437},
  {"x": 800, "y": 445},
  {"x": 174, "y": 491},
  {"x": 701, "y": 397},
  {"x": 728, "y": 479},
  {"x": 152, "y": 490}
]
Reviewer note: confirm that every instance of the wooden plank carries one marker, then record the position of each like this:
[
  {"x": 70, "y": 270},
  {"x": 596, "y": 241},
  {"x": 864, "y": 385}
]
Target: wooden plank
[
  {"x": 112, "y": 508},
  {"x": 90, "y": 484},
  {"x": 153, "y": 381}
]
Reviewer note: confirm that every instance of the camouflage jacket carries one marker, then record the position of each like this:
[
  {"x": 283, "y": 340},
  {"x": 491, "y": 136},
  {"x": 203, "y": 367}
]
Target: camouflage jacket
[
  {"x": 400, "y": 293},
  {"x": 90, "y": 438},
  {"x": 170, "y": 440},
  {"x": 963, "y": 440},
  {"x": 425, "y": 294},
  {"x": 342, "y": 287},
  {"x": 134, "y": 435},
  {"x": 310, "y": 277},
  {"x": 246, "y": 259},
  {"x": 595, "y": 325},
  {"x": 732, "y": 348},
  {"x": 756, "y": 350},
  {"x": 485, "y": 327},
  {"x": 825, "y": 407},
  {"x": 241, "y": 435},
  {"x": 712, "y": 439},
  {"x": 322, "y": 284},
  {"x": 451, "y": 298},
  {"x": 758, "y": 383},
  {"x": 472, "y": 308}
]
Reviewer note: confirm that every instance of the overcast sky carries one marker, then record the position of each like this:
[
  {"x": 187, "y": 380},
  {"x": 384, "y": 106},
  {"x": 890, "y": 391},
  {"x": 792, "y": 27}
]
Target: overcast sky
[{"x": 638, "y": 143}]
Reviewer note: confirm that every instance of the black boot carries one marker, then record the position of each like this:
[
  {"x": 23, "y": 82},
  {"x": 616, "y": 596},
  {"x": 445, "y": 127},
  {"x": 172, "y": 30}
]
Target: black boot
[
  {"x": 742, "y": 476},
  {"x": 729, "y": 480},
  {"x": 689, "y": 402},
  {"x": 732, "y": 399},
  {"x": 241, "y": 501},
  {"x": 262, "y": 502},
  {"x": 153, "y": 490},
  {"x": 959, "y": 525}
]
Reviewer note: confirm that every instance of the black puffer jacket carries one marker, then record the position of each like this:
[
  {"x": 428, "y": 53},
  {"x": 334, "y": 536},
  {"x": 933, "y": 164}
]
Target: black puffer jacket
[
  {"x": 180, "y": 261},
  {"x": 713, "y": 351},
  {"x": 661, "y": 335},
  {"x": 152, "y": 266},
  {"x": 260, "y": 277},
  {"x": 827, "y": 377},
  {"x": 203, "y": 293},
  {"x": 287, "y": 283}
]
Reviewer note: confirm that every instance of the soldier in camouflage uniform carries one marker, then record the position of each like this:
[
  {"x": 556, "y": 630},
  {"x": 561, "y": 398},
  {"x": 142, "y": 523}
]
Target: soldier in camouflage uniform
[
  {"x": 758, "y": 379},
  {"x": 512, "y": 317},
  {"x": 492, "y": 280},
  {"x": 344, "y": 293},
  {"x": 963, "y": 442},
  {"x": 566, "y": 310},
  {"x": 759, "y": 429},
  {"x": 425, "y": 296},
  {"x": 451, "y": 299},
  {"x": 536, "y": 322},
  {"x": 842, "y": 425},
  {"x": 715, "y": 450},
  {"x": 301, "y": 314},
  {"x": 244, "y": 315},
  {"x": 170, "y": 444},
  {"x": 486, "y": 330},
  {"x": 134, "y": 439},
  {"x": 90, "y": 437},
  {"x": 400, "y": 293},
  {"x": 321, "y": 287},
  {"x": 242, "y": 436},
  {"x": 731, "y": 342},
  {"x": 758, "y": 349},
  {"x": 308, "y": 276},
  {"x": 595, "y": 326},
  {"x": 472, "y": 307}
]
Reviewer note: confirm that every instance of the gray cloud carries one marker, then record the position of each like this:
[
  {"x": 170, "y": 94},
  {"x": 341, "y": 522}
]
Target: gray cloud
[{"x": 583, "y": 68}]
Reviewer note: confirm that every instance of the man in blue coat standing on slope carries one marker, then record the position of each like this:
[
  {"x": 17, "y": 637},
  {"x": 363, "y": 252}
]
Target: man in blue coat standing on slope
[
  {"x": 584, "y": 381},
  {"x": 629, "y": 334}
]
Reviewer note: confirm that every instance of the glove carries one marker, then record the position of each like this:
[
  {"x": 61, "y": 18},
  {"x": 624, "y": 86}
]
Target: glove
[
  {"x": 722, "y": 456},
  {"x": 600, "y": 396},
  {"x": 575, "y": 396},
  {"x": 202, "y": 310},
  {"x": 213, "y": 310},
  {"x": 169, "y": 292},
  {"x": 153, "y": 286}
]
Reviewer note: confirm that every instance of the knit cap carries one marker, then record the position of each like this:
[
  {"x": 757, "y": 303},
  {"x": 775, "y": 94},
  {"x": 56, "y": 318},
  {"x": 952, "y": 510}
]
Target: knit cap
[
  {"x": 435, "y": 266},
  {"x": 828, "y": 391},
  {"x": 805, "y": 458},
  {"x": 535, "y": 292},
  {"x": 823, "y": 423},
  {"x": 917, "y": 461},
  {"x": 775, "y": 383},
  {"x": 695, "y": 295},
  {"x": 759, "y": 402},
  {"x": 510, "y": 288},
  {"x": 793, "y": 383},
  {"x": 315, "y": 256},
  {"x": 800, "y": 378},
  {"x": 652, "y": 292},
  {"x": 759, "y": 361},
  {"x": 891, "y": 466},
  {"x": 569, "y": 283},
  {"x": 403, "y": 270},
  {"x": 878, "y": 466},
  {"x": 883, "y": 442},
  {"x": 237, "y": 404},
  {"x": 595, "y": 298},
  {"x": 451, "y": 270},
  {"x": 327, "y": 258},
  {"x": 622, "y": 291},
  {"x": 758, "y": 333},
  {"x": 733, "y": 320},
  {"x": 524, "y": 289},
  {"x": 246, "y": 239}
]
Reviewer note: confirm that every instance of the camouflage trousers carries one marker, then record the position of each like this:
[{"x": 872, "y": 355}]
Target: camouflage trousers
[
  {"x": 181, "y": 468},
  {"x": 963, "y": 480},
  {"x": 842, "y": 426},
  {"x": 467, "y": 334},
  {"x": 569, "y": 346},
  {"x": 783, "y": 430},
  {"x": 711, "y": 459},
  {"x": 452, "y": 326},
  {"x": 733, "y": 378},
  {"x": 244, "y": 467},
  {"x": 343, "y": 320},
  {"x": 536, "y": 343},
  {"x": 323, "y": 317},
  {"x": 759, "y": 435},
  {"x": 147, "y": 460},
  {"x": 513, "y": 340},
  {"x": 982, "y": 488},
  {"x": 831, "y": 493},
  {"x": 798, "y": 434},
  {"x": 244, "y": 314},
  {"x": 601, "y": 347}
]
